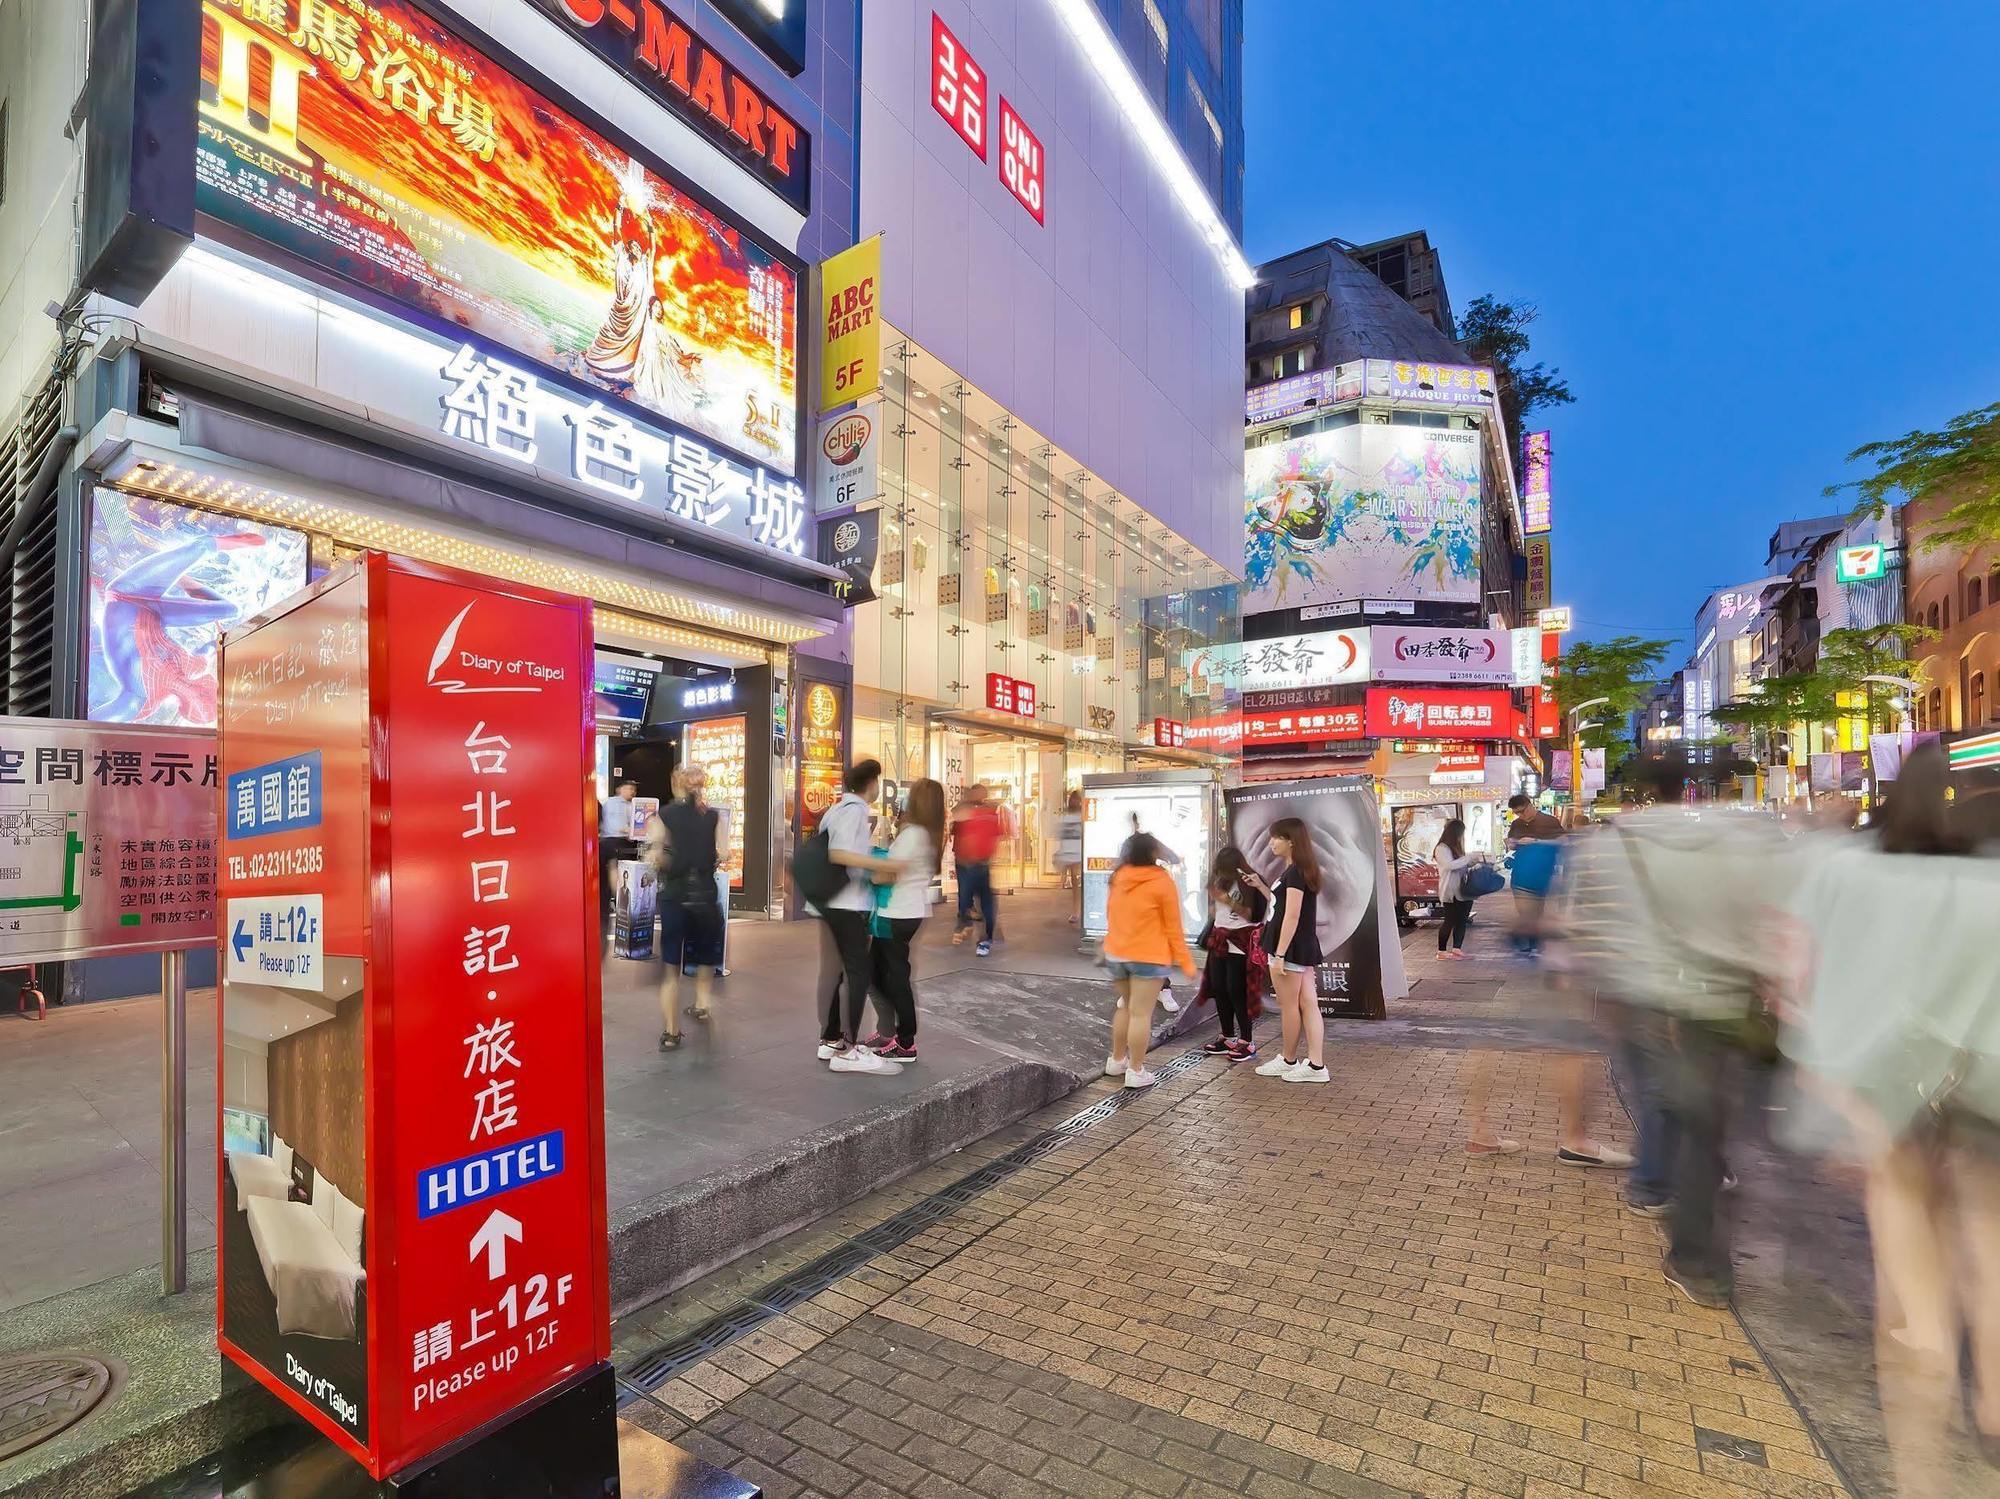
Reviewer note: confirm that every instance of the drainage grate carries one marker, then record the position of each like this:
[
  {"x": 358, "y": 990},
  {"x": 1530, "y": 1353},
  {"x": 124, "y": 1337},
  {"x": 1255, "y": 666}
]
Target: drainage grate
[
  {"x": 891, "y": 1234},
  {"x": 42, "y": 1394}
]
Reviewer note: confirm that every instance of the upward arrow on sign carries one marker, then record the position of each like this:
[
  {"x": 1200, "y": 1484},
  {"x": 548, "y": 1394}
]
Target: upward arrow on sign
[{"x": 492, "y": 1237}]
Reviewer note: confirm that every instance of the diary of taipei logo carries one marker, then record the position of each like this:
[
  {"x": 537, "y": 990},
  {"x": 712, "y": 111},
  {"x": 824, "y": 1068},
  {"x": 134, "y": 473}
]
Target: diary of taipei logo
[
  {"x": 662, "y": 53},
  {"x": 459, "y": 669}
]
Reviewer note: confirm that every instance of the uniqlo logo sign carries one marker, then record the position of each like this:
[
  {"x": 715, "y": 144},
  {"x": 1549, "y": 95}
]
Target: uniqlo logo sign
[
  {"x": 1020, "y": 160},
  {"x": 1467, "y": 715},
  {"x": 1169, "y": 733},
  {"x": 1006, "y": 694},
  {"x": 958, "y": 88}
]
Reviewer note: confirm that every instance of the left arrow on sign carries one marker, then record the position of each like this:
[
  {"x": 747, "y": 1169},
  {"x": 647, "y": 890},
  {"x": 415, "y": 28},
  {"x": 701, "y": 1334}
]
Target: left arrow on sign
[
  {"x": 240, "y": 940},
  {"x": 492, "y": 1237}
]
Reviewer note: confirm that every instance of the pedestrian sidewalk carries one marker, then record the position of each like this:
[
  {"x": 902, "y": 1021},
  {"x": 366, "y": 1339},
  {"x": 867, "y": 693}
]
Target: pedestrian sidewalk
[{"x": 1232, "y": 1285}]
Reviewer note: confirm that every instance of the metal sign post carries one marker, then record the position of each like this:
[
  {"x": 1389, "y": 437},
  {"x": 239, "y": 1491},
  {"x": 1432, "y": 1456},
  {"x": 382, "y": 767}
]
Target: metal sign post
[{"x": 173, "y": 1123}]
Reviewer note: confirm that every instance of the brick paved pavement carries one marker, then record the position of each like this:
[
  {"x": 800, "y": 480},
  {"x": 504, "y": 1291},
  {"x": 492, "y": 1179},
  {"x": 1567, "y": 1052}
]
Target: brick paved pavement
[{"x": 1233, "y": 1285}]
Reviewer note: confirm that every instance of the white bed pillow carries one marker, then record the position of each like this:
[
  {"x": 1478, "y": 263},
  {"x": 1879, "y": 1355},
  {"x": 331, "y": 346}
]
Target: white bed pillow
[
  {"x": 324, "y": 1193},
  {"x": 282, "y": 1154},
  {"x": 347, "y": 1226}
]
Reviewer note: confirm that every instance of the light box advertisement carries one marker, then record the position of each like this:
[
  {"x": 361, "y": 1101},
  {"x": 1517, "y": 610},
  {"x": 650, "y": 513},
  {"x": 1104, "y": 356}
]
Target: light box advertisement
[
  {"x": 370, "y": 146},
  {"x": 1176, "y": 814},
  {"x": 165, "y": 581},
  {"x": 410, "y": 946},
  {"x": 1383, "y": 512}
]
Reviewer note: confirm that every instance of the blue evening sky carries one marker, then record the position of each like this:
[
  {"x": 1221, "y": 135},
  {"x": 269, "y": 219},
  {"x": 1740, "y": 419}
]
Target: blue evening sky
[{"x": 1760, "y": 233}]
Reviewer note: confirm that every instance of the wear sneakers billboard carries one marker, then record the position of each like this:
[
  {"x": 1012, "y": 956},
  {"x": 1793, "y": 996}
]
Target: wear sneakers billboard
[
  {"x": 1362, "y": 512},
  {"x": 370, "y": 145}
]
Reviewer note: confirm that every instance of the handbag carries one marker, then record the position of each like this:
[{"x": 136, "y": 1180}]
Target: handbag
[{"x": 1482, "y": 879}]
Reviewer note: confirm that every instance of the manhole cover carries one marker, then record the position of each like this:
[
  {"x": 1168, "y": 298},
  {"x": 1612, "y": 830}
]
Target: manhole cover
[{"x": 44, "y": 1393}]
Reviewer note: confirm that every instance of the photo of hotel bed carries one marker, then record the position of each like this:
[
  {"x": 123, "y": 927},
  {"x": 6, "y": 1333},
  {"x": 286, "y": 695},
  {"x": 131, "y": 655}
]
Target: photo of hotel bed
[{"x": 294, "y": 1232}]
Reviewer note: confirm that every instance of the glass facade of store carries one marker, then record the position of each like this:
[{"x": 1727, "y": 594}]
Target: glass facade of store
[{"x": 1032, "y": 623}]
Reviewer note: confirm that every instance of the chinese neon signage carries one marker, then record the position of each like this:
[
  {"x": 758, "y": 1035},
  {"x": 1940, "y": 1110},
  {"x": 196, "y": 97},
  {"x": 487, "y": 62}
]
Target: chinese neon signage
[
  {"x": 1465, "y": 715},
  {"x": 1540, "y": 455}
]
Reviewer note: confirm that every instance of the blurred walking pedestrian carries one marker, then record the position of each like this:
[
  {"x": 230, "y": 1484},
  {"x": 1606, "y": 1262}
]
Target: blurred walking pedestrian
[
  {"x": 975, "y": 837},
  {"x": 1069, "y": 846},
  {"x": 1663, "y": 913},
  {"x": 682, "y": 845},
  {"x": 1236, "y": 914},
  {"x": 1896, "y": 1014},
  {"x": 1453, "y": 862},
  {"x": 1142, "y": 941},
  {"x": 846, "y": 962},
  {"x": 1533, "y": 841},
  {"x": 902, "y": 907},
  {"x": 1291, "y": 940}
]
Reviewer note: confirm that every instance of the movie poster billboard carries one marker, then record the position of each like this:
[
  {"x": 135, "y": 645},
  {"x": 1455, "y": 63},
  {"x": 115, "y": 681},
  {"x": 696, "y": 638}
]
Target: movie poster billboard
[
  {"x": 1379, "y": 512},
  {"x": 1414, "y": 832},
  {"x": 165, "y": 582},
  {"x": 371, "y": 147},
  {"x": 1362, "y": 962}
]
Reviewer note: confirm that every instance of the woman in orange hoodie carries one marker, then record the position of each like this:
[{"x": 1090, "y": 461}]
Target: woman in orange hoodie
[{"x": 1143, "y": 937}]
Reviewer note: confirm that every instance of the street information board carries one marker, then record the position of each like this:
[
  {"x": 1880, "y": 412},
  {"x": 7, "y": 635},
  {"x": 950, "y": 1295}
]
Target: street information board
[
  {"x": 107, "y": 839},
  {"x": 409, "y": 948}
]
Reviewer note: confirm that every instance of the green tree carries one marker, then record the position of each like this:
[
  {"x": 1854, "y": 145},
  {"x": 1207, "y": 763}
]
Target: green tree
[
  {"x": 1848, "y": 657},
  {"x": 1622, "y": 670},
  {"x": 1962, "y": 461},
  {"x": 1777, "y": 706},
  {"x": 1496, "y": 333}
]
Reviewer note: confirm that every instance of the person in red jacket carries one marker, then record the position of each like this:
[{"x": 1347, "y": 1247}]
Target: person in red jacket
[
  {"x": 975, "y": 836},
  {"x": 1142, "y": 940}
]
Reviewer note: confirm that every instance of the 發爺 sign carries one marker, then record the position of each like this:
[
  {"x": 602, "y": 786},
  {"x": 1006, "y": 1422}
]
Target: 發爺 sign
[{"x": 107, "y": 839}]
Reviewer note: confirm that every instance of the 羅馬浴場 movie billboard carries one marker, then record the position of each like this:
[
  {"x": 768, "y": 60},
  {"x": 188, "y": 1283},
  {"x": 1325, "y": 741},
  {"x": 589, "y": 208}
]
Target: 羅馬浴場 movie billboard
[
  {"x": 1362, "y": 512},
  {"x": 372, "y": 145}
]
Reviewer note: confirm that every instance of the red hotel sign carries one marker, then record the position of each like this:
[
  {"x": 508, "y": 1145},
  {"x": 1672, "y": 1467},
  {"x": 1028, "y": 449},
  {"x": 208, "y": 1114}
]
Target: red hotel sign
[
  {"x": 661, "y": 52},
  {"x": 439, "y": 1082},
  {"x": 1424, "y": 711}
]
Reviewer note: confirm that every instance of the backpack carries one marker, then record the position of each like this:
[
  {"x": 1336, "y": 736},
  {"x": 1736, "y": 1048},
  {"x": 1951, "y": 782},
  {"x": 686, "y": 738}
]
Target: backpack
[{"x": 814, "y": 874}]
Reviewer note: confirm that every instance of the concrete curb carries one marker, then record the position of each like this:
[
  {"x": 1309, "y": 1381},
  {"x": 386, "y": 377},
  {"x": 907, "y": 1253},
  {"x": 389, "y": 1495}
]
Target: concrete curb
[{"x": 666, "y": 1241}]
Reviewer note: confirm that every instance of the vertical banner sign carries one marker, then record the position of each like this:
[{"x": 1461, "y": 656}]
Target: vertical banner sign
[
  {"x": 1539, "y": 454},
  {"x": 822, "y": 751},
  {"x": 494, "y": 1169},
  {"x": 410, "y": 952},
  {"x": 850, "y": 330},
  {"x": 1540, "y": 568}
]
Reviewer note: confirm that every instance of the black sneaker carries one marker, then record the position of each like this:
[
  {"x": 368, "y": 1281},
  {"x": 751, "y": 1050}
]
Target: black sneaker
[
  {"x": 1702, "y": 1290},
  {"x": 895, "y": 1051},
  {"x": 1216, "y": 1048},
  {"x": 670, "y": 1041}
]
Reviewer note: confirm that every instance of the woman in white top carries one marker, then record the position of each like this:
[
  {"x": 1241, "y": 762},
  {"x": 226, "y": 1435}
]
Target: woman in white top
[
  {"x": 1452, "y": 863},
  {"x": 901, "y": 912}
]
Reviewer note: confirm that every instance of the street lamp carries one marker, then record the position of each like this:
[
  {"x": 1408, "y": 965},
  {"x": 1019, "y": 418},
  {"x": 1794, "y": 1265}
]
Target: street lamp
[
  {"x": 1576, "y": 748},
  {"x": 1905, "y": 685}
]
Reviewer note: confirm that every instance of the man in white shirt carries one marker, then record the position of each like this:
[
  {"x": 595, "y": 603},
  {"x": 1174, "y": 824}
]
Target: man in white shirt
[
  {"x": 614, "y": 840},
  {"x": 845, "y": 959}
]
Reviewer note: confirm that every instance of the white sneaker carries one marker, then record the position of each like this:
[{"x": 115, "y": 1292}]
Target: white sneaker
[
  {"x": 828, "y": 1051},
  {"x": 1141, "y": 1079},
  {"x": 1303, "y": 1071},
  {"x": 861, "y": 1059},
  {"x": 1114, "y": 1067},
  {"x": 1168, "y": 1003}
]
